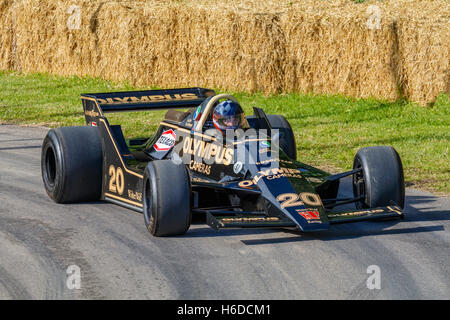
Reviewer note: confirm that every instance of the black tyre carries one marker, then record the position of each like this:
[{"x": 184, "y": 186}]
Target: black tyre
[
  {"x": 381, "y": 180},
  {"x": 71, "y": 164},
  {"x": 167, "y": 198},
  {"x": 287, "y": 138}
]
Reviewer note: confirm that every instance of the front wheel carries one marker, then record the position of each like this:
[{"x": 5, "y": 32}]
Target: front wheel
[
  {"x": 381, "y": 178},
  {"x": 167, "y": 198}
]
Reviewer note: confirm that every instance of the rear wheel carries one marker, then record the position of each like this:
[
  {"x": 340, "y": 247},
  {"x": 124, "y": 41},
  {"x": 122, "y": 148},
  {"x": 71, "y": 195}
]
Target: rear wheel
[
  {"x": 71, "y": 164},
  {"x": 167, "y": 198},
  {"x": 381, "y": 179}
]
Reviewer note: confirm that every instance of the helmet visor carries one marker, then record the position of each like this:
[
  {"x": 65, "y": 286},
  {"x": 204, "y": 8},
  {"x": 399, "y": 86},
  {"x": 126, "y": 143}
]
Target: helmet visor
[{"x": 231, "y": 122}]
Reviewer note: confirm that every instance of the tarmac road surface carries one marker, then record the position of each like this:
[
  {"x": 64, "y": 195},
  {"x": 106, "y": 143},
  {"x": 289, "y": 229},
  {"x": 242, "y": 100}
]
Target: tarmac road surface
[{"x": 118, "y": 258}]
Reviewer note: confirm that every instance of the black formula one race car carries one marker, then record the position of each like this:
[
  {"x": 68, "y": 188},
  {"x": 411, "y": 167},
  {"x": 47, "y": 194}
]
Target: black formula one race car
[{"x": 247, "y": 178}]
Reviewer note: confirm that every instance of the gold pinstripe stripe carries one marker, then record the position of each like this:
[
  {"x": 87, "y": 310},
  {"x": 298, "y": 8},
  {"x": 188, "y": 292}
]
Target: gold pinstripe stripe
[
  {"x": 394, "y": 210},
  {"x": 137, "y": 204},
  {"x": 117, "y": 150}
]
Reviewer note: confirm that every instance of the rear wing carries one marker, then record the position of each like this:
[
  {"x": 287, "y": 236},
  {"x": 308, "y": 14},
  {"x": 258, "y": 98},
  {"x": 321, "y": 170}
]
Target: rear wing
[{"x": 149, "y": 100}]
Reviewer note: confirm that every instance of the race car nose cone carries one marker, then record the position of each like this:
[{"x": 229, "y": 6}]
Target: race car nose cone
[{"x": 295, "y": 198}]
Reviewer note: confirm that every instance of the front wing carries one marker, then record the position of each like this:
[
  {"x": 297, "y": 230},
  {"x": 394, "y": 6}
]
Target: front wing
[{"x": 220, "y": 219}]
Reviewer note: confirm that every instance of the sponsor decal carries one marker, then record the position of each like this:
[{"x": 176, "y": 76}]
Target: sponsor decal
[
  {"x": 311, "y": 215},
  {"x": 314, "y": 180},
  {"x": 264, "y": 144},
  {"x": 271, "y": 174},
  {"x": 274, "y": 160},
  {"x": 250, "y": 219},
  {"x": 134, "y": 195},
  {"x": 267, "y": 161},
  {"x": 363, "y": 212},
  {"x": 208, "y": 150},
  {"x": 197, "y": 113},
  {"x": 148, "y": 99},
  {"x": 197, "y": 179},
  {"x": 166, "y": 141},
  {"x": 237, "y": 167},
  {"x": 91, "y": 113},
  {"x": 200, "y": 167},
  {"x": 287, "y": 175}
]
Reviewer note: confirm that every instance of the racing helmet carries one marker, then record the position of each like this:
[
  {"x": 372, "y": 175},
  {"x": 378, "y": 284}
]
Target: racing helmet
[{"x": 228, "y": 115}]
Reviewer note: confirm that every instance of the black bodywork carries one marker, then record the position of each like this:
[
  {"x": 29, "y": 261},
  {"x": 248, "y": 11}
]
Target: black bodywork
[{"x": 264, "y": 190}]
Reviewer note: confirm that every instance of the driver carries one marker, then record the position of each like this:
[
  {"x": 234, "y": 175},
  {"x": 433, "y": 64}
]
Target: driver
[{"x": 228, "y": 115}]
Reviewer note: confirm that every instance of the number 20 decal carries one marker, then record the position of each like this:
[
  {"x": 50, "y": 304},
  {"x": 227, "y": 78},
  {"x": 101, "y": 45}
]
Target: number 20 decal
[
  {"x": 293, "y": 200},
  {"x": 116, "y": 180},
  {"x": 289, "y": 200}
]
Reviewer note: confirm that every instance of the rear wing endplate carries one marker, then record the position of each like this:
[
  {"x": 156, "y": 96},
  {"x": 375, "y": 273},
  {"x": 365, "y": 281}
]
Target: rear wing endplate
[{"x": 150, "y": 99}]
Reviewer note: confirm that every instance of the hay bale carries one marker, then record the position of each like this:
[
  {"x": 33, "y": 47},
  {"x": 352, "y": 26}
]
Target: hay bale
[
  {"x": 238, "y": 45},
  {"x": 111, "y": 42},
  {"x": 424, "y": 51},
  {"x": 36, "y": 36},
  {"x": 339, "y": 54},
  {"x": 185, "y": 46},
  {"x": 46, "y": 41},
  {"x": 6, "y": 35}
]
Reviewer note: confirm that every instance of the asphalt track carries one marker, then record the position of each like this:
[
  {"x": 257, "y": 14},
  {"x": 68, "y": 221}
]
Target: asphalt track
[{"x": 119, "y": 259}]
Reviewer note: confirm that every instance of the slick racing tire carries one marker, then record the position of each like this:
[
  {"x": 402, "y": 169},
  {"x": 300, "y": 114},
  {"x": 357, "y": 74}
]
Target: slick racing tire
[
  {"x": 381, "y": 180},
  {"x": 167, "y": 198},
  {"x": 71, "y": 164},
  {"x": 287, "y": 138}
]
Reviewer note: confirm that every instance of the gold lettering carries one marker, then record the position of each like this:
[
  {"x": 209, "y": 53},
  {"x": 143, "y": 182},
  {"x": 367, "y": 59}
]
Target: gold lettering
[
  {"x": 212, "y": 150},
  {"x": 200, "y": 167},
  {"x": 276, "y": 171},
  {"x": 156, "y": 98},
  {"x": 220, "y": 155},
  {"x": 135, "y": 99},
  {"x": 91, "y": 113},
  {"x": 229, "y": 153},
  {"x": 151, "y": 98},
  {"x": 199, "y": 147},
  {"x": 207, "y": 150},
  {"x": 243, "y": 219},
  {"x": 245, "y": 183},
  {"x": 187, "y": 145},
  {"x": 189, "y": 96},
  {"x": 122, "y": 100}
]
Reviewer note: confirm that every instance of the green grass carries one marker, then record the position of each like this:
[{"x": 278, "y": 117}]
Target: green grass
[{"x": 329, "y": 129}]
